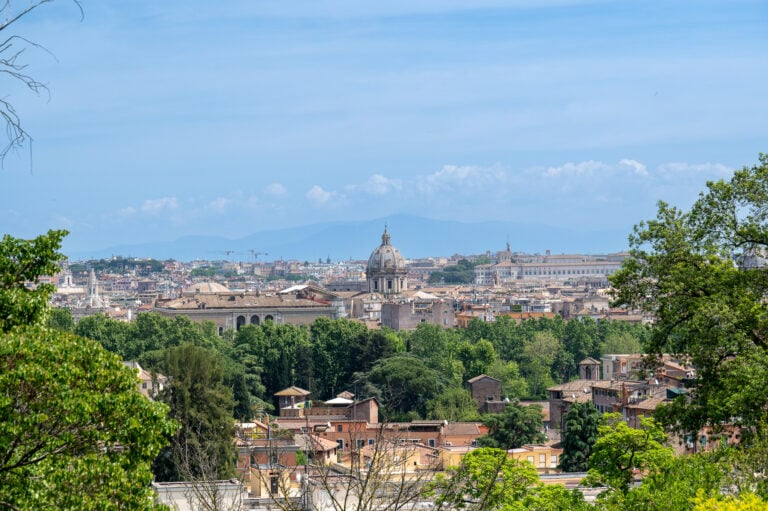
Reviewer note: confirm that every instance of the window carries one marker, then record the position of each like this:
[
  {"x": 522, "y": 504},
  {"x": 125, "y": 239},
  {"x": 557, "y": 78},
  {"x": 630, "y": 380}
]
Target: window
[
  {"x": 553, "y": 461},
  {"x": 530, "y": 459},
  {"x": 371, "y": 441},
  {"x": 542, "y": 460},
  {"x": 389, "y": 284},
  {"x": 339, "y": 428},
  {"x": 431, "y": 442},
  {"x": 340, "y": 441},
  {"x": 143, "y": 385}
]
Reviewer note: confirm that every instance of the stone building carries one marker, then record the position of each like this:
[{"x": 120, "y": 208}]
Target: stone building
[
  {"x": 388, "y": 294},
  {"x": 486, "y": 391},
  {"x": 232, "y": 310},
  {"x": 386, "y": 271}
]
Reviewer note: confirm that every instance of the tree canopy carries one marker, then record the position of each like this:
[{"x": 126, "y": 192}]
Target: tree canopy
[
  {"x": 23, "y": 261},
  {"x": 75, "y": 433},
  {"x": 74, "y": 430},
  {"x": 578, "y": 437},
  {"x": 516, "y": 426},
  {"x": 702, "y": 275}
]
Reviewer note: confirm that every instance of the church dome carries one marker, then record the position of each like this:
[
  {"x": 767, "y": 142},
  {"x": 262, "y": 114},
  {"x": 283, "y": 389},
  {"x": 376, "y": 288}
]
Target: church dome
[{"x": 386, "y": 258}]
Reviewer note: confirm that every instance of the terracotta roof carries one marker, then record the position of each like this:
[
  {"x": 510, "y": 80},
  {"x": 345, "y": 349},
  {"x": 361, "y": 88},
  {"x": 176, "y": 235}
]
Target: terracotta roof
[
  {"x": 648, "y": 404},
  {"x": 314, "y": 442},
  {"x": 293, "y": 391},
  {"x": 463, "y": 428}
]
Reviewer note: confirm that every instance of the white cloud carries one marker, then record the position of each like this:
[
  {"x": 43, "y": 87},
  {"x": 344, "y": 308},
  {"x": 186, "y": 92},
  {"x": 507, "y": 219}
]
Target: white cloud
[
  {"x": 379, "y": 185},
  {"x": 461, "y": 178},
  {"x": 155, "y": 206},
  {"x": 275, "y": 189},
  {"x": 219, "y": 204},
  {"x": 584, "y": 168},
  {"x": 127, "y": 211},
  {"x": 320, "y": 196},
  {"x": 637, "y": 167}
]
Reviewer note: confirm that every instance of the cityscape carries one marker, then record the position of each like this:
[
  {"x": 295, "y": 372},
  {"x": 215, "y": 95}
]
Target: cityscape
[{"x": 325, "y": 255}]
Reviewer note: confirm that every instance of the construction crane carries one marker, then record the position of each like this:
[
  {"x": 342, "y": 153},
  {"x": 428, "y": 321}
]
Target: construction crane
[
  {"x": 256, "y": 254},
  {"x": 227, "y": 253}
]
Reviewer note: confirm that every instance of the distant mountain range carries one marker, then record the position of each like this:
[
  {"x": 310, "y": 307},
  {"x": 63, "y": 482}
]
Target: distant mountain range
[{"x": 415, "y": 237}]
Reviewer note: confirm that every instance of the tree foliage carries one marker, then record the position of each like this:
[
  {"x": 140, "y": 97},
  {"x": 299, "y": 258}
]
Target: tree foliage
[
  {"x": 23, "y": 261},
  {"x": 74, "y": 431},
  {"x": 198, "y": 399},
  {"x": 620, "y": 452},
  {"x": 518, "y": 425},
  {"x": 701, "y": 274},
  {"x": 488, "y": 479},
  {"x": 579, "y": 435}
]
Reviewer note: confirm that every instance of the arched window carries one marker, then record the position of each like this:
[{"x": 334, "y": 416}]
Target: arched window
[
  {"x": 240, "y": 321},
  {"x": 255, "y": 320},
  {"x": 268, "y": 317}
]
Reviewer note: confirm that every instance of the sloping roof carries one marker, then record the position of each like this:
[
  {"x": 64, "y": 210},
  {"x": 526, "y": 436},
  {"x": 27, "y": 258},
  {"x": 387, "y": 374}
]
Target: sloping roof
[
  {"x": 480, "y": 377},
  {"x": 575, "y": 386},
  {"x": 314, "y": 443},
  {"x": 589, "y": 361},
  {"x": 293, "y": 391}
]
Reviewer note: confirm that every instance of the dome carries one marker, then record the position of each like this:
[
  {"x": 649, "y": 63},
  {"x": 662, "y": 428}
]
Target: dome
[
  {"x": 386, "y": 258},
  {"x": 386, "y": 272}
]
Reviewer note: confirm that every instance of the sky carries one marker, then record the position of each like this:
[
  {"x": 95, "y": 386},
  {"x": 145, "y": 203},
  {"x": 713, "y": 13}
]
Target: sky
[{"x": 174, "y": 118}]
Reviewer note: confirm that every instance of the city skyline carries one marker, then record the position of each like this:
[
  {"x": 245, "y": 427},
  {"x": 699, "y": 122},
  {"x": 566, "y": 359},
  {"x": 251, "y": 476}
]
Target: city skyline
[{"x": 188, "y": 118}]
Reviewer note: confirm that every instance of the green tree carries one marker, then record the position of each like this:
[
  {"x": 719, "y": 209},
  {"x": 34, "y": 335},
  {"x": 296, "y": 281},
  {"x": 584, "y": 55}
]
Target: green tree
[
  {"x": 518, "y": 425},
  {"x": 488, "y": 479},
  {"x": 673, "y": 484},
  {"x": 699, "y": 273},
  {"x": 23, "y": 261},
  {"x": 512, "y": 384},
  {"x": 111, "y": 334},
  {"x": 74, "y": 431},
  {"x": 620, "y": 451},
  {"x": 620, "y": 343},
  {"x": 539, "y": 355},
  {"x": 60, "y": 318},
  {"x": 477, "y": 358},
  {"x": 405, "y": 384},
  {"x": 198, "y": 398},
  {"x": 579, "y": 435},
  {"x": 455, "y": 404}
]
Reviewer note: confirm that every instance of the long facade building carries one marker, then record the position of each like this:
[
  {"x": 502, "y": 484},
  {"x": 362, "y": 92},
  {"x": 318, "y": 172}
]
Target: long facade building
[
  {"x": 234, "y": 310},
  {"x": 511, "y": 268}
]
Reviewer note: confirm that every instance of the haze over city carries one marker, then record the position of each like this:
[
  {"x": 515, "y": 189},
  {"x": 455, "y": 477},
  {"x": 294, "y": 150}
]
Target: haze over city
[{"x": 174, "y": 118}]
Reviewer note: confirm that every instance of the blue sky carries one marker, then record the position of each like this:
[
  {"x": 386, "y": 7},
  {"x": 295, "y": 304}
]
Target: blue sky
[{"x": 189, "y": 117}]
